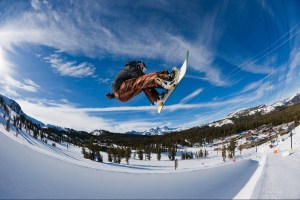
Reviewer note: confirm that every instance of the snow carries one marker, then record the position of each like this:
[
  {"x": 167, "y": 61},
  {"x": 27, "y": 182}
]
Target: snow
[
  {"x": 277, "y": 176},
  {"x": 221, "y": 123},
  {"x": 30, "y": 168},
  {"x": 27, "y": 173}
]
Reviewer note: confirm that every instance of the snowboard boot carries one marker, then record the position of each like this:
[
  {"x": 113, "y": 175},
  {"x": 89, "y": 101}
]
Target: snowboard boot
[
  {"x": 170, "y": 81},
  {"x": 174, "y": 73},
  {"x": 161, "y": 97}
]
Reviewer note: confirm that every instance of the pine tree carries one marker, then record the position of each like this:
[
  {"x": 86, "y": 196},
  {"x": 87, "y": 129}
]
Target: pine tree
[
  {"x": 127, "y": 154},
  {"x": 115, "y": 155},
  {"x": 224, "y": 153},
  {"x": 140, "y": 154},
  {"x": 118, "y": 154},
  {"x": 200, "y": 153},
  {"x": 183, "y": 156},
  {"x": 172, "y": 153},
  {"x": 83, "y": 150},
  {"x": 240, "y": 149},
  {"x": 148, "y": 153},
  {"x": 109, "y": 156},
  {"x": 99, "y": 156},
  {"x": 158, "y": 153},
  {"x": 231, "y": 148},
  {"x": 296, "y": 122},
  {"x": 205, "y": 153},
  {"x": 7, "y": 125}
]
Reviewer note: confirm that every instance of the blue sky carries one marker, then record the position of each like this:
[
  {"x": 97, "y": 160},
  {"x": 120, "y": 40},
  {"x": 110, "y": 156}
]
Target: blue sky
[{"x": 59, "y": 58}]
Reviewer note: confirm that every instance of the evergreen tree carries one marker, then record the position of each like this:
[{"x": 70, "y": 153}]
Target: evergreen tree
[
  {"x": 158, "y": 152},
  {"x": 183, "y": 156},
  {"x": 296, "y": 122},
  {"x": 172, "y": 153},
  {"x": 128, "y": 154},
  {"x": 148, "y": 153},
  {"x": 231, "y": 148},
  {"x": 83, "y": 150},
  {"x": 224, "y": 153},
  {"x": 114, "y": 155},
  {"x": 119, "y": 155},
  {"x": 200, "y": 153},
  {"x": 99, "y": 156},
  {"x": 109, "y": 152},
  {"x": 140, "y": 154},
  {"x": 7, "y": 125},
  {"x": 240, "y": 149},
  {"x": 205, "y": 153}
]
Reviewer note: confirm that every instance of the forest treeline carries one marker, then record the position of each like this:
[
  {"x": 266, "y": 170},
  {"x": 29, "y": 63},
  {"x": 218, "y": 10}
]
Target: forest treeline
[{"x": 196, "y": 136}]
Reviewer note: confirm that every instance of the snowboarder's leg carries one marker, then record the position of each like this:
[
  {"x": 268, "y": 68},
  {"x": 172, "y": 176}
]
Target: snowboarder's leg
[
  {"x": 132, "y": 87},
  {"x": 152, "y": 94}
]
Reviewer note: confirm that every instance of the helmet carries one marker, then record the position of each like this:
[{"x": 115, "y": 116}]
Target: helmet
[
  {"x": 139, "y": 64},
  {"x": 142, "y": 66}
]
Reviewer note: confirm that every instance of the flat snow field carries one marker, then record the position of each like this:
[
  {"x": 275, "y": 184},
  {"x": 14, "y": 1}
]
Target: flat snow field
[{"x": 26, "y": 173}]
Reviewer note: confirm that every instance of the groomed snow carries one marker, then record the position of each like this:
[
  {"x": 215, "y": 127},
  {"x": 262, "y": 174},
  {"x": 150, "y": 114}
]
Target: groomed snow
[
  {"x": 30, "y": 174},
  {"x": 30, "y": 168}
]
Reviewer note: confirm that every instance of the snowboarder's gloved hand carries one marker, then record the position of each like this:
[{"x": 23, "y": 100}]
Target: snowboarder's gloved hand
[{"x": 110, "y": 95}]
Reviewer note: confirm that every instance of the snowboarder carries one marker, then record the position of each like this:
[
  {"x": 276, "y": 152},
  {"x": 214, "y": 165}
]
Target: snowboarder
[{"x": 132, "y": 80}]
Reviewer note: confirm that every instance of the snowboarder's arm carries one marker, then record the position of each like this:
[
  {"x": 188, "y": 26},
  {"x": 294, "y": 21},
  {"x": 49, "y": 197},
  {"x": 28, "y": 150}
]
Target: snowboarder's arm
[{"x": 110, "y": 95}]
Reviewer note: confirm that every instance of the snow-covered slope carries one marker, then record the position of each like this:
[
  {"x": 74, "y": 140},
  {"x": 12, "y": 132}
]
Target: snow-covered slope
[
  {"x": 60, "y": 171},
  {"x": 264, "y": 109},
  {"x": 220, "y": 123},
  {"x": 99, "y": 132},
  {"x": 29, "y": 174},
  {"x": 261, "y": 109}
]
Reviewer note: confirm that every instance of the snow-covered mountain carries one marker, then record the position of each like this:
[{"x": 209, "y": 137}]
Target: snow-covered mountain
[
  {"x": 264, "y": 109},
  {"x": 99, "y": 132},
  {"x": 220, "y": 123},
  {"x": 16, "y": 108},
  {"x": 157, "y": 131},
  {"x": 261, "y": 109}
]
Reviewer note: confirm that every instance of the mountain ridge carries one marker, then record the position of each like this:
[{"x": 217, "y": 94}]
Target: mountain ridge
[{"x": 260, "y": 109}]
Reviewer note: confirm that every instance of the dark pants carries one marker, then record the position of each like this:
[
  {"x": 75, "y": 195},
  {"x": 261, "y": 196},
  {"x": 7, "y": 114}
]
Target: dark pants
[{"x": 146, "y": 83}]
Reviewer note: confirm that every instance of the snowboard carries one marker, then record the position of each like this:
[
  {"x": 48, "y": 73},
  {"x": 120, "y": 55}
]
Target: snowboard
[{"x": 181, "y": 74}]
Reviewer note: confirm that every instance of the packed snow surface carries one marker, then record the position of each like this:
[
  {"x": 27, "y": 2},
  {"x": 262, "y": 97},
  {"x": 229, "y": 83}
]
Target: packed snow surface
[
  {"x": 30, "y": 168},
  {"x": 30, "y": 174}
]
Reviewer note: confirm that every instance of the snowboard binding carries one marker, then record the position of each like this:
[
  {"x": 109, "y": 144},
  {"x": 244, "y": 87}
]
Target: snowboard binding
[{"x": 171, "y": 82}]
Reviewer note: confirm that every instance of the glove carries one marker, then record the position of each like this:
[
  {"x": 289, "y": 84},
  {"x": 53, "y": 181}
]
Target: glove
[{"x": 110, "y": 95}]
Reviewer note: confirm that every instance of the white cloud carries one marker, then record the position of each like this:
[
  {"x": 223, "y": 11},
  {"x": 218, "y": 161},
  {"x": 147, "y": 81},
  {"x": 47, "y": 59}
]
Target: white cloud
[
  {"x": 192, "y": 95},
  {"x": 65, "y": 114},
  {"x": 80, "y": 31},
  {"x": 294, "y": 65},
  {"x": 104, "y": 80},
  {"x": 252, "y": 86},
  {"x": 70, "y": 68},
  {"x": 8, "y": 84}
]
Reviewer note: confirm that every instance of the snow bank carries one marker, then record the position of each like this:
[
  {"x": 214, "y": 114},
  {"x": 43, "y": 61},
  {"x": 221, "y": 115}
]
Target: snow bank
[
  {"x": 277, "y": 176},
  {"x": 30, "y": 174}
]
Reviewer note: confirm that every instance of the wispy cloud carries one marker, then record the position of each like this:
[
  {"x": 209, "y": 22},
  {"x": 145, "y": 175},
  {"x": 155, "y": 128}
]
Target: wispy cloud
[
  {"x": 192, "y": 95},
  {"x": 252, "y": 86},
  {"x": 93, "y": 31},
  {"x": 65, "y": 114},
  {"x": 8, "y": 84},
  {"x": 294, "y": 65},
  {"x": 70, "y": 68}
]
